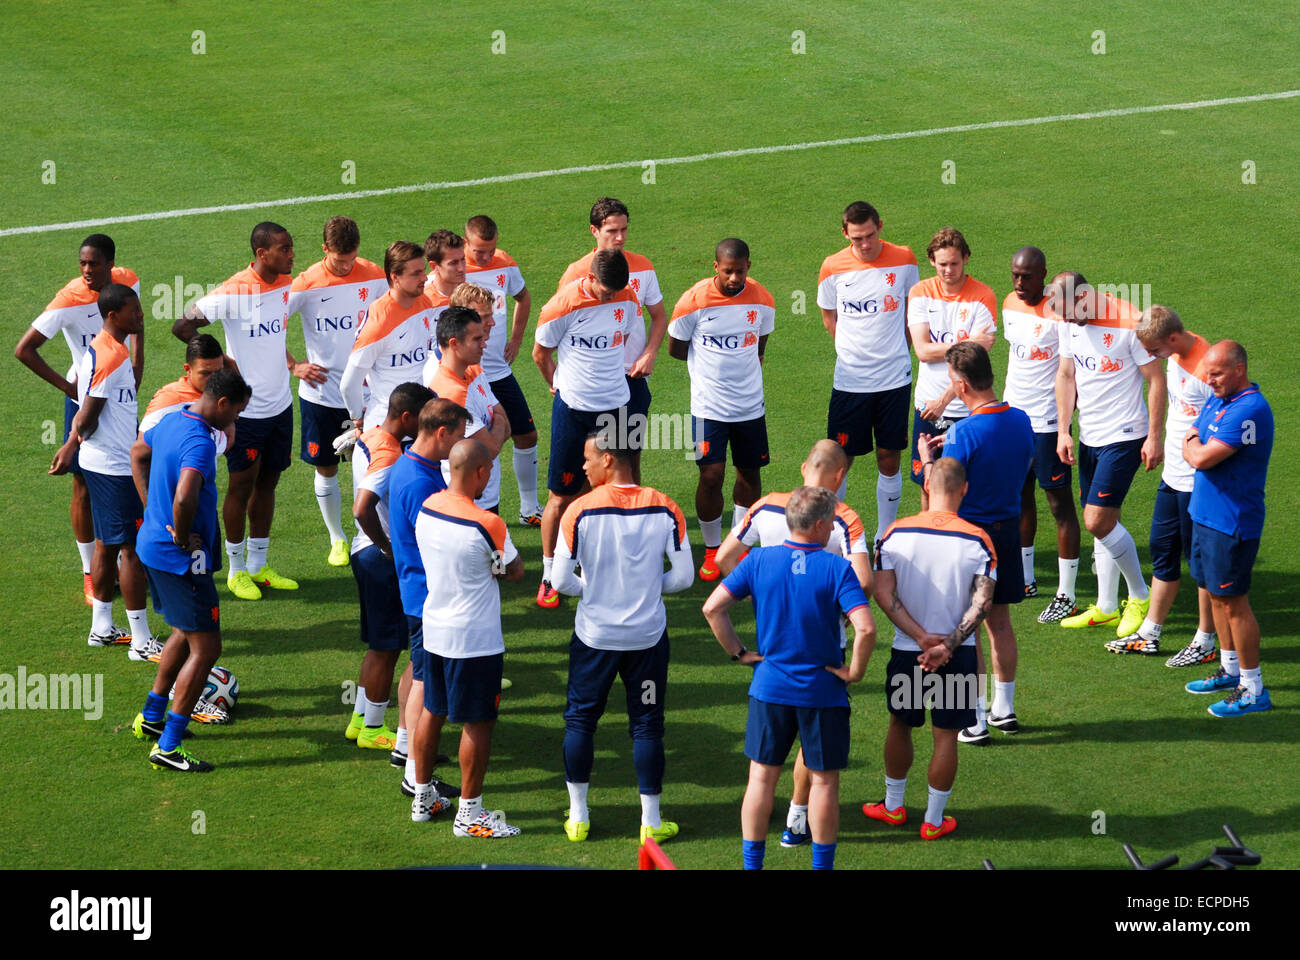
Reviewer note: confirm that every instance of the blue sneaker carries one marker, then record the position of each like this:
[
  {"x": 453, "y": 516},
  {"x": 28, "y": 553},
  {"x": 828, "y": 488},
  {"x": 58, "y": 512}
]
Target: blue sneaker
[
  {"x": 796, "y": 834},
  {"x": 1218, "y": 680},
  {"x": 1240, "y": 701}
]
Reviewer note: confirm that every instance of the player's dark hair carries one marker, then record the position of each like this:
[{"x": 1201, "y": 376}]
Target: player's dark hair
[
  {"x": 399, "y": 254},
  {"x": 101, "y": 242},
  {"x": 409, "y": 398},
  {"x": 971, "y": 362},
  {"x": 606, "y": 207},
  {"x": 342, "y": 235},
  {"x": 482, "y": 226},
  {"x": 441, "y": 414},
  {"x": 607, "y": 441},
  {"x": 114, "y": 297},
  {"x": 731, "y": 248},
  {"x": 264, "y": 234},
  {"x": 228, "y": 385},
  {"x": 453, "y": 323},
  {"x": 202, "y": 346},
  {"x": 610, "y": 268},
  {"x": 439, "y": 242},
  {"x": 947, "y": 237},
  {"x": 859, "y": 211}
]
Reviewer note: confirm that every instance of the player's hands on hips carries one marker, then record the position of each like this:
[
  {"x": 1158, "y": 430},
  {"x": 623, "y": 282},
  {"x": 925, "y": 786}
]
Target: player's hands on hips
[
  {"x": 1153, "y": 453},
  {"x": 749, "y": 658},
  {"x": 512, "y": 350},
  {"x": 195, "y": 542},
  {"x": 1065, "y": 449},
  {"x": 311, "y": 372},
  {"x": 644, "y": 366}
]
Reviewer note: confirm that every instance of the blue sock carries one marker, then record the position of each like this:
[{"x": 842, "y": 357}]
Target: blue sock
[
  {"x": 752, "y": 851},
  {"x": 154, "y": 707},
  {"x": 823, "y": 856},
  {"x": 172, "y": 733}
]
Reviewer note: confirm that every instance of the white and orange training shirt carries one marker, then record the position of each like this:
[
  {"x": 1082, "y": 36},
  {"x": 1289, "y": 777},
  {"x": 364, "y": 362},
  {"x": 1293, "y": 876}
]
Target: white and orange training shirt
[
  {"x": 372, "y": 461},
  {"x": 170, "y": 398},
  {"x": 723, "y": 333},
  {"x": 441, "y": 302},
  {"x": 459, "y": 543},
  {"x": 619, "y": 534},
  {"x": 588, "y": 335},
  {"x": 503, "y": 277},
  {"x": 1188, "y": 391},
  {"x": 74, "y": 311},
  {"x": 391, "y": 348},
  {"x": 255, "y": 316},
  {"x": 474, "y": 393},
  {"x": 333, "y": 309},
  {"x": 870, "y": 301},
  {"x": 105, "y": 372},
  {"x": 1107, "y": 354},
  {"x": 952, "y": 317},
  {"x": 1033, "y": 334},
  {"x": 642, "y": 280},
  {"x": 935, "y": 557}
]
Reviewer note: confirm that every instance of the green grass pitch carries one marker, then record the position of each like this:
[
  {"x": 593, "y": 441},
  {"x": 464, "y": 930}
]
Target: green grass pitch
[{"x": 116, "y": 106}]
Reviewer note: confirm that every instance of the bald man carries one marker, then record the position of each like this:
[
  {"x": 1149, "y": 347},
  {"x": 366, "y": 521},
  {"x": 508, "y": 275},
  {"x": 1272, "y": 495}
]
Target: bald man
[
  {"x": 1229, "y": 446},
  {"x": 765, "y": 524}
]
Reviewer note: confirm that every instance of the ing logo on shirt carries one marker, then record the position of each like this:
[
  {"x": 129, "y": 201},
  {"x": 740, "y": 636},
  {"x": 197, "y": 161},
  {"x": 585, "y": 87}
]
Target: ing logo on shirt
[
  {"x": 890, "y": 303},
  {"x": 750, "y": 339},
  {"x": 1108, "y": 365}
]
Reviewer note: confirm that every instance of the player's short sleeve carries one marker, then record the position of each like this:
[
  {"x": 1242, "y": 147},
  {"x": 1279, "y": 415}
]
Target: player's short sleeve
[
  {"x": 514, "y": 281},
  {"x": 1138, "y": 352},
  {"x": 507, "y": 548},
  {"x": 909, "y": 275},
  {"x": 682, "y": 325},
  {"x": 848, "y": 592},
  {"x": 748, "y": 533},
  {"x": 376, "y": 480},
  {"x": 738, "y": 582},
  {"x": 212, "y": 306},
  {"x": 49, "y": 323},
  {"x": 675, "y": 530},
  {"x": 986, "y": 314},
  {"x": 650, "y": 292},
  {"x": 885, "y": 552},
  {"x": 853, "y": 534},
  {"x": 1065, "y": 340},
  {"x": 767, "y": 321},
  {"x": 826, "y": 296},
  {"x": 552, "y": 324},
  {"x": 917, "y": 313}
]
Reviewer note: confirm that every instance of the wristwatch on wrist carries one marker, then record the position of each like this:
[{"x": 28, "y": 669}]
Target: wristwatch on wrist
[{"x": 736, "y": 656}]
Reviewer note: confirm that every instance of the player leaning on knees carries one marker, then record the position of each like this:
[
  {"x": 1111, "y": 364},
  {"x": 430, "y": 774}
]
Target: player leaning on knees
[
  {"x": 1229, "y": 446},
  {"x": 465, "y": 550},
  {"x": 619, "y": 534},
  {"x": 800, "y": 678},
  {"x": 75, "y": 313},
  {"x": 1103, "y": 364},
  {"x": 1163, "y": 335},
  {"x": 765, "y": 525},
  {"x": 174, "y": 465},
  {"x": 935, "y": 580}
]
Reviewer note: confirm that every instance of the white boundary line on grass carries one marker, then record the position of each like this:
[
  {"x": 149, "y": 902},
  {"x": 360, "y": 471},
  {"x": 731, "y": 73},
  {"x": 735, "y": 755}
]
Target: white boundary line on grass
[{"x": 632, "y": 164}]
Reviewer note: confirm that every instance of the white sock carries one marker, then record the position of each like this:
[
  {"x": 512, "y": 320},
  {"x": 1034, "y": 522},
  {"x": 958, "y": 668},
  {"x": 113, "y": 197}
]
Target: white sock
[
  {"x": 578, "y": 802},
  {"x": 1205, "y": 640},
  {"x": 235, "y": 556},
  {"x": 1150, "y": 630},
  {"x": 403, "y": 744},
  {"x": 139, "y": 623},
  {"x": 525, "y": 462},
  {"x": 1228, "y": 658},
  {"x": 1119, "y": 543},
  {"x": 1068, "y": 571},
  {"x": 711, "y": 531},
  {"x": 1004, "y": 697},
  {"x": 408, "y": 774},
  {"x": 981, "y": 713},
  {"x": 842, "y": 489},
  {"x": 330, "y": 501},
  {"x": 469, "y": 808},
  {"x": 934, "y": 807},
  {"x": 87, "y": 551},
  {"x": 1107, "y": 581},
  {"x": 737, "y": 516},
  {"x": 101, "y": 616},
  {"x": 375, "y": 713},
  {"x": 257, "y": 548},
  {"x": 796, "y": 815},
  {"x": 894, "y": 790},
  {"x": 362, "y": 701},
  {"x": 547, "y": 564},
  {"x": 1027, "y": 562},
  {"x": 889, "y": 490},
  {"x": 423, "y": 797},
  {"x": 650, "y": 811},
  {"x": 1252, "y": 680}
]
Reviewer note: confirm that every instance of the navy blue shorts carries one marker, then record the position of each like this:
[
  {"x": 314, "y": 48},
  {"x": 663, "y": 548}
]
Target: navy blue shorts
[
  {"x": 1105, "y": 473},
  {"x": 919, "y": 427},
  {"x": 269, "y": 440},
  {"x": 1220, "y": 562},
  {"x": 950, "y": 697},
  {"x": 853, "y": 417},
  {"x": 645, "y": 681},
  {"x": 464, "y": 690},
  {"x": 1052, "y": 474},
  {"x": 1171, "y": 533},
  {"x": 187, "y": 601},
  {"x": 512, "y": 401},
  {"x": 415, "y": 634},
  {"x": 569, "y": 429},
  {"x": 320, "y": 427},
  {"x": 70, "y": 409},
  {"x": 115, "y": 507},
  {"x": 748, "y": 440},
  {"x": 639, "y": 397},
  {"x": 383, "y": 624},
  {"x": 1010, "y": 584},
  {"x": 823, "y": 731}
]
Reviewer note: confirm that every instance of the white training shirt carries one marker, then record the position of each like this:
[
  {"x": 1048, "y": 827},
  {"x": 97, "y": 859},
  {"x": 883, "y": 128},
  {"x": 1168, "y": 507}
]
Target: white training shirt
[
  {"x": 74, "y": 312},
  {"x": 503, "y": 278},
  {"x": 643, "y": 281},
  {"x": 372, "y": 461},
  {"x": 1188, "y": 392},
  {"x": 588, "y": 335},
  {"x": 952, "y": 318},
  {"x": 390, "y": 349},
  {"x": 333, "y": 309},
  {"x": 1107, "y": 355},
  {"x": 870, "y": 301},
  {"x": 105, "y": 372},
  {"x": 474, "y": 393},
  {"x": 1033, "y": 334}
]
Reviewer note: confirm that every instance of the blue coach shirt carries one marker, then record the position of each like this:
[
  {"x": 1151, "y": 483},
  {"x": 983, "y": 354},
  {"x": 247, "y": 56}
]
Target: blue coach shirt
[
  {"x": 413, "y": 480},
  {"x": 1229, "y": 497},
  {"x": 799, "y": 591},
  {"x": 181, "y": 441},
  {"x": 996, "y": 446}
]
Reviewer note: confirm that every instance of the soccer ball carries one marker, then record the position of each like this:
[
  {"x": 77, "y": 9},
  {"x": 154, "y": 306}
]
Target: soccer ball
[{"x": 222, "y": 688}]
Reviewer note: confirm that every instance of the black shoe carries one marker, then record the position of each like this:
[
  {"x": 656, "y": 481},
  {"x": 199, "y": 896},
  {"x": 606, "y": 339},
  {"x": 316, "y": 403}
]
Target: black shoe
[
  {"x": 1007, "y": 724},
  {"x": 153, "y": 729},
  {"x": 441, "y": 787},
  {"x": 397, "y": 759},
  {"x": 969, "y": 735},
  {"x": 177, "y": 759}
]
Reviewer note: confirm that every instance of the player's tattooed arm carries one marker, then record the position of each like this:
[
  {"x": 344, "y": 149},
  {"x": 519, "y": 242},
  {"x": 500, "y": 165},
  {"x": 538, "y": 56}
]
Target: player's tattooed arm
[
  {"x": 188, "y": 325},
  {"x": 981, "y": 600}
]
